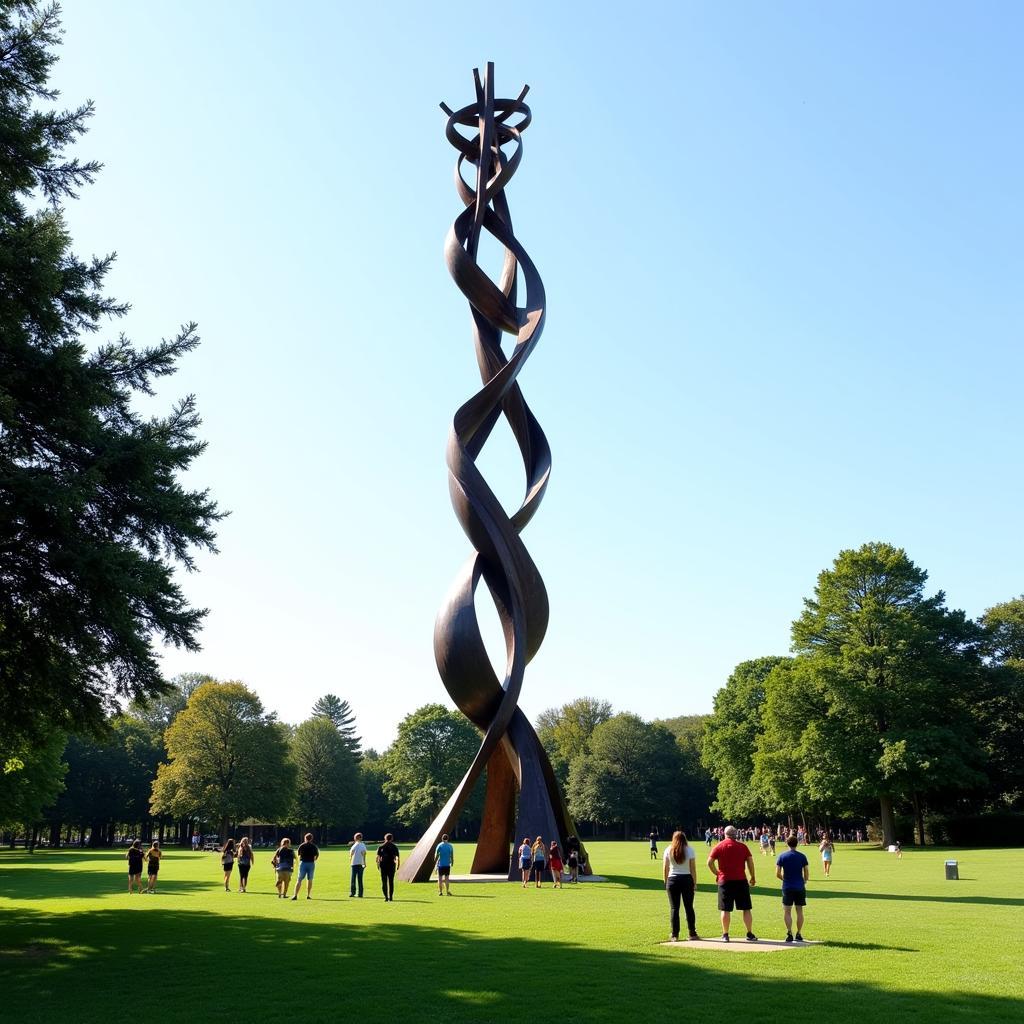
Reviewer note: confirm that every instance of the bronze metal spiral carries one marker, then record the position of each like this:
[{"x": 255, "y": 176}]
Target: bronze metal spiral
[{"x": 510, "y": 750}]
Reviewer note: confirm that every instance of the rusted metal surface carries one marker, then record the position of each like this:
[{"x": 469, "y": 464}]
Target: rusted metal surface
[{"x": 510, "y": 750}]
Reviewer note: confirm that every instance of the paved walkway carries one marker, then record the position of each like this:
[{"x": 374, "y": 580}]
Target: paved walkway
[{"x": 740, "y": 945}]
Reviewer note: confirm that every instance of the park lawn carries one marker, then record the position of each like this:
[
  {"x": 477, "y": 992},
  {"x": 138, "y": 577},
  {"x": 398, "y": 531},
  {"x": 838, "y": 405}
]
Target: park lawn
[{"x": 898, "y": 940}]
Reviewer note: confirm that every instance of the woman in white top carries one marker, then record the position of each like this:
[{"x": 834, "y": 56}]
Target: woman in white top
[{"x": 680, "y": 882}]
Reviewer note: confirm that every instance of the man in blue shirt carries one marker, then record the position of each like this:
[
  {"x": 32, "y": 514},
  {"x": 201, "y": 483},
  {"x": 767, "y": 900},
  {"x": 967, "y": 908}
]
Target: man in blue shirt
[
  {"x": 444, "y": 858},
  {"x": 792, "y": 868}
]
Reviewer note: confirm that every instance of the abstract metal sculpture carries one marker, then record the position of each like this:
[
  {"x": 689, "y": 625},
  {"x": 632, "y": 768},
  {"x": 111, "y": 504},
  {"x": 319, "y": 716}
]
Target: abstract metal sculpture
[{"x": 510, "y": 751}]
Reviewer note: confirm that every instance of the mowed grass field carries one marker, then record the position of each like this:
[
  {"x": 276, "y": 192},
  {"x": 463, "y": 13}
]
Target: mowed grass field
[{"x": 898, "y": 942}]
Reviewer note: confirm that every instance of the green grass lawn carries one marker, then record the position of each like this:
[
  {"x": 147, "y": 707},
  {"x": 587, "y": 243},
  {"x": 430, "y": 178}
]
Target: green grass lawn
[{"x": 899, "y": 942}]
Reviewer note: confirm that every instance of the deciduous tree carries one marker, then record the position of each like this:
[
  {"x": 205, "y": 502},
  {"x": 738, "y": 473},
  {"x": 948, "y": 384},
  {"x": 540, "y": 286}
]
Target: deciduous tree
[
  {"x": 228, "y": 759},
  {"x": 328, "y": 786}
]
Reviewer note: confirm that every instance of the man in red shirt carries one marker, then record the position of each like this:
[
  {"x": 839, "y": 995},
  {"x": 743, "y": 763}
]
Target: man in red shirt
[{"x": 730, "y": 862}]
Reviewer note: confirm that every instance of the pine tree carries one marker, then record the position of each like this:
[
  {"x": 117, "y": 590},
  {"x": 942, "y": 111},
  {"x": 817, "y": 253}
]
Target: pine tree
[
  {"x": 93, "y": 517},
  {"x": 341, "y": 714}
]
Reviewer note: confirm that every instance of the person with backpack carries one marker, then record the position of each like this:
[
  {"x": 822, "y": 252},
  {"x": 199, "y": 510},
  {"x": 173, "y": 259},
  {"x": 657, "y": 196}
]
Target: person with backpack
[
  {"x": 284, "y": 863},
  {"x": 227, "y": 862}
]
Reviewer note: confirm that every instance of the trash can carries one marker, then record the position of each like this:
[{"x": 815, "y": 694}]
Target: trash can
[{"x": 952, "y": 870}]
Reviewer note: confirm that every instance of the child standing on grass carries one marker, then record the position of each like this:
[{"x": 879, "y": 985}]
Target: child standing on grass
[
  {"x": 826, "y": 849},
  {"x": 153, "y": 856}
]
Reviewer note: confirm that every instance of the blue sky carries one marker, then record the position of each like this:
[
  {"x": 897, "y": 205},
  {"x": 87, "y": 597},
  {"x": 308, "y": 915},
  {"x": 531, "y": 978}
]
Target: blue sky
[{"x": 782, "y": 252}]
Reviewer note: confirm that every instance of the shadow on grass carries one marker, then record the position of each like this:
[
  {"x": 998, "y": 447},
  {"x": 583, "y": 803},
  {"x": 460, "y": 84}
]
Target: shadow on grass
[
  {"x": 184, "y": 960},
  {"x": 839, "y": 894}
]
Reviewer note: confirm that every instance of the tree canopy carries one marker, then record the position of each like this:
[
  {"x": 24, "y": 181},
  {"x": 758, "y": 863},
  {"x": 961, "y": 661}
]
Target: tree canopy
[
  {"x": 93, "y": 514},
  {"x": 565, "y": 732},
  {"x": 341, "y": 715},
  {"x": 328, "y": 786},
  {"x": 228, "y": 758}
]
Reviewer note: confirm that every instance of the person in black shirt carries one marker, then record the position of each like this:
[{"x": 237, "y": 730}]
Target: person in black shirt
[
  {"x": 134, "y": 856},
  {"x": 388, "y": 859},
  {"x": 308, "y": 854}
]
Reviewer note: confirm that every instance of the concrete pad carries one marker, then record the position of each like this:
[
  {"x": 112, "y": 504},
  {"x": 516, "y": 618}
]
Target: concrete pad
[{"x": 740, "y": 945}]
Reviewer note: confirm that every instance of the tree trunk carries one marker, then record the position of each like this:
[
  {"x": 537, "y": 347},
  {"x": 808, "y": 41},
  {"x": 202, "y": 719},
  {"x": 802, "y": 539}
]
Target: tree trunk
[
  {"x": 55, "y": 834},
  {"x": 625, "y": 830},
  {"x": 888, "y": 821},
  {"x": 919, "y": 817}
]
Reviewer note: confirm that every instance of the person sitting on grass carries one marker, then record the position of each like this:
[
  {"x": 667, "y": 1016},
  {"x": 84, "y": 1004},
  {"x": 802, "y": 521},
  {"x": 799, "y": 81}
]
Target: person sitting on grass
[
  {"x": 792, "y": 868},
  {"x": 134, "y": 857},
  {"x": 284, "y": 862},
  {"x": 153, "y": 856},
  {"x": 444, "y": 859}
]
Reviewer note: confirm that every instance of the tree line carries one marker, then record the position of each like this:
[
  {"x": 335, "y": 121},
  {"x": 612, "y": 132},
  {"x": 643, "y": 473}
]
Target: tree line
[{"x": 892, "y": 706}]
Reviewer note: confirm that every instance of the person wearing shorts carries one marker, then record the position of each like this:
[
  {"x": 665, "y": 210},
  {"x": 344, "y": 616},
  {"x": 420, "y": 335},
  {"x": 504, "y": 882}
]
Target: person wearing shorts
[
  {"x": 284, "y": 862},
  {"x": 245, "y": 860},
  {"x": 153, "y": 856},
  {"x": 134, "y": 858},
  {"x": 555, "y": 860},
  {"x": 308, "y": 853},
  {"x": 792, "y": 869},
  {"x": 540, "y": 859},
  {"x": 826, "y": 849},
  {"x": 227, "y": 862},
  {"x": 525, "y": 860},
  {"x": 729, "y": 862},
  {"x": 444, "y": 858}
]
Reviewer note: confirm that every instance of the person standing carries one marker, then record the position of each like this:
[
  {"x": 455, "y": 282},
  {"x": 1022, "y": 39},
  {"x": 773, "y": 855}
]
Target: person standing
[
  {"x": 357, "y": 863},
  {"x": 729, "y": 862},
  {"x": 153, "y": 856},
  {"x": 539, "y": 860},
  {"x": 572, "y": 847},
  {"x": 654, "y": 843},
  {"x": 526, "y": 859},
  {"x": 444, "y": 860},
  {"x": 134, "y": 858},
  {"x": 245, "y": 861},
  {"x": 793, "y": 870},
  {"x": 284, "y": 863},
  {"x": 308, "y": 854},
  {"x": 555, "y": 862},
  {"x": 679, "y": 870},
  {"x": 388, "y": 861},
  {"x": 826, "y": 848},
  {"x": 227, "y": 862}
]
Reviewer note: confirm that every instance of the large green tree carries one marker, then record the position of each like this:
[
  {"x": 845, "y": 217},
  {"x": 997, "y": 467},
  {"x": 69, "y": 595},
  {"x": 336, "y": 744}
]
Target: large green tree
[
  {"x": 93, "y": 514},
  {"x": 328, "y": 785},
  {"x": 228, "y": 759},
  {"x": 730, "y": 737},
  {"x": 30, "y": 782},
  {"x": 565, "y": 732},
  {"x": 698, "y": 790},
  {"x": 895, "y": 670},
  {"x": 431, "y": 753},
  {"x": 633, "y": 772}
]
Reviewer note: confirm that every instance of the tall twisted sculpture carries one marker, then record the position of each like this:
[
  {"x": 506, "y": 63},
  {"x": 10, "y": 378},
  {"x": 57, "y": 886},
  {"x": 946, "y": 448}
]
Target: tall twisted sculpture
[{"x": 510, "y": 750}]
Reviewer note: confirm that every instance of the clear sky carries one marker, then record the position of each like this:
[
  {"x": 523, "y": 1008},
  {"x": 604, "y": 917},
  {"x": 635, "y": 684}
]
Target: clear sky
[{"x": 782, "y": 248}]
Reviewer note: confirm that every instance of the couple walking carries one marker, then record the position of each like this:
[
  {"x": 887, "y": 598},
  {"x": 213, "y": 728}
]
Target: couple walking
[{"x": 388, "y": 860}]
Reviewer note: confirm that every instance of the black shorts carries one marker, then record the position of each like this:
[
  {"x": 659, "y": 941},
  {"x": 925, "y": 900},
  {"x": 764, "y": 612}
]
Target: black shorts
[
  {"x": 794, "y": 897},
  {"x": 227, "y": 866},
  {"x": 154, "y": 869},
  {"x": 734, "y": 892},
  {"x": 444, "y": 872}
]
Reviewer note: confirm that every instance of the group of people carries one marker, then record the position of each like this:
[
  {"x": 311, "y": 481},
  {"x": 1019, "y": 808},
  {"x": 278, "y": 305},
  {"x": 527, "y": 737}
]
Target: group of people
[
  {"x": 732, "y": 864},
  {"x": 135, "y": 857},
  {"x": 537, "y": 859}
]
